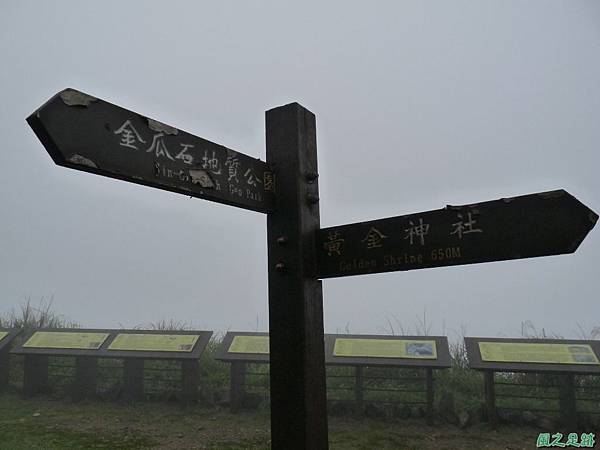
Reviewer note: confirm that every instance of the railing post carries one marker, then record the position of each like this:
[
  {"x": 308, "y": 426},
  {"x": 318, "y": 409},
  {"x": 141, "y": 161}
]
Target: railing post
[
  {"x": 237, "y": 390},
  {"x": 4, "y": 366},
  {"x": 429, "y": 393},
  {"x": 359, "y": 389},
  {"x": 490, "y": 397},
  {"x": 86, "y": 375},
  {"x": 35, "y": 375},
  {"x": 190, "y": 381},
  {"x": 133, "y": 373},
  {"x": 567, "y": 402}
]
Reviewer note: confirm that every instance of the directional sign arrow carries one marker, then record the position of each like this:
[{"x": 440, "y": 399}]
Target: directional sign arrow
[
  {"x": 85, "y": 133},
  {"x": 543, "y": 224}
]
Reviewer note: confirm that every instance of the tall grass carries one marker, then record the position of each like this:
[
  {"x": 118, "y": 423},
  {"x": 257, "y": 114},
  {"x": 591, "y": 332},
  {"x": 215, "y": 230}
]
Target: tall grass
[{"x": 29, "y": 316}]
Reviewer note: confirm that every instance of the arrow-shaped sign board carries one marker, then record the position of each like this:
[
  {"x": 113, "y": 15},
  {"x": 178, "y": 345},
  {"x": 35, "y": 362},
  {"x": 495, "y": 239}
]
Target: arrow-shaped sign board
[
  {"x": 85, "y": 133},
  {"x": 543, "y": 224}
]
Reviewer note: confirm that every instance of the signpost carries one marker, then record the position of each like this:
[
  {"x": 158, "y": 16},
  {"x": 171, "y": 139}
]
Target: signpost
[
  {"x": 298, "y": 397},
  {"x": 85, "y": 133},
  {"x": 543, "y": 224}
]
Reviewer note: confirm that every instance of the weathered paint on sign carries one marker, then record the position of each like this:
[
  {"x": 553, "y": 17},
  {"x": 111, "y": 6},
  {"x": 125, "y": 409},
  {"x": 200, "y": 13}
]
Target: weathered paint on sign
[
  {"x": 385, "y": 348},
  {"x": 537, "y": 353},
  {"x": 250, "y": 344},
  {"x": 548, "y": 223},
  {"x": 154, "y": 342},
  {"x": 66, "y": 340},
  {"x": 85, "y": 133}
]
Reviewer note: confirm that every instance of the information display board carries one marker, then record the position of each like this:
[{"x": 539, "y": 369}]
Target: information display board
[
  {"x": 66, "y": 340},
  {"x": 537, "y": 353},
  {"x": 533, "y": 355},
  {"x": 250, "y": 344},
  {"x": 392, "y": 351},
  {"x": 346, "y": 349},
  {"x": 154, "y": 342},
  {"x": 106, "y": 343},
  {"x": 244, "y": 346},
  {"x": 7, "y": 336},
  {"x": 385, "y": 348}
]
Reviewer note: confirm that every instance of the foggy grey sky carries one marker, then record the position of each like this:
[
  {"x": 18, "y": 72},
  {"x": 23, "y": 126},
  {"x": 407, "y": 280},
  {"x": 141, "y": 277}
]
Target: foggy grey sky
[{"x": 418, "y": 105}]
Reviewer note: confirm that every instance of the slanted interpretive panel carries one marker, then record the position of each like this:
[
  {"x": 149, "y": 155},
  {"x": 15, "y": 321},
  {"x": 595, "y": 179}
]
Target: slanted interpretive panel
[
  {"x": 66, "y": 340},
  {"x": 250, "y": 344},
  {"x": 7, "y": 335},
  {"x": 146, "y": 344},
  {"x": 154, "y": 342},
  {"x": 157, "y": 344},
  {"x": 537, "y": 353},
  {"x": 244, "y": 346},
  {"x": 385, "y": 348},
  {"x": 377, "y": 350},
  {"x": 533, "y": 355}
]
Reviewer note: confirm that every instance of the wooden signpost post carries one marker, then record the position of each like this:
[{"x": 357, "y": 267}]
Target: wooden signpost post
[{"x": 84, "y": 133}]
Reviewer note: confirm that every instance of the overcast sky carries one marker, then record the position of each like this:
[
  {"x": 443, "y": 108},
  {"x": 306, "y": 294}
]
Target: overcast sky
[{"x": 418, "y": 105}]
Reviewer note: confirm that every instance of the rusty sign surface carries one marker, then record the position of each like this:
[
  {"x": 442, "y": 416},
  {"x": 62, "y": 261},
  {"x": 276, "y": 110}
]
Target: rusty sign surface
[
  {"x": 542, "y": 224},
  {"x": 85, "y": 133}
]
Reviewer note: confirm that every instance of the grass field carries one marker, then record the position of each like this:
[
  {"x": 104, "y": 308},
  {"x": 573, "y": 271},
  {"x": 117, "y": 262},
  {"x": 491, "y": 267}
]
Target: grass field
[
  {"x": 54, "y": 422},
  {"x": 58, "y": 424}
]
